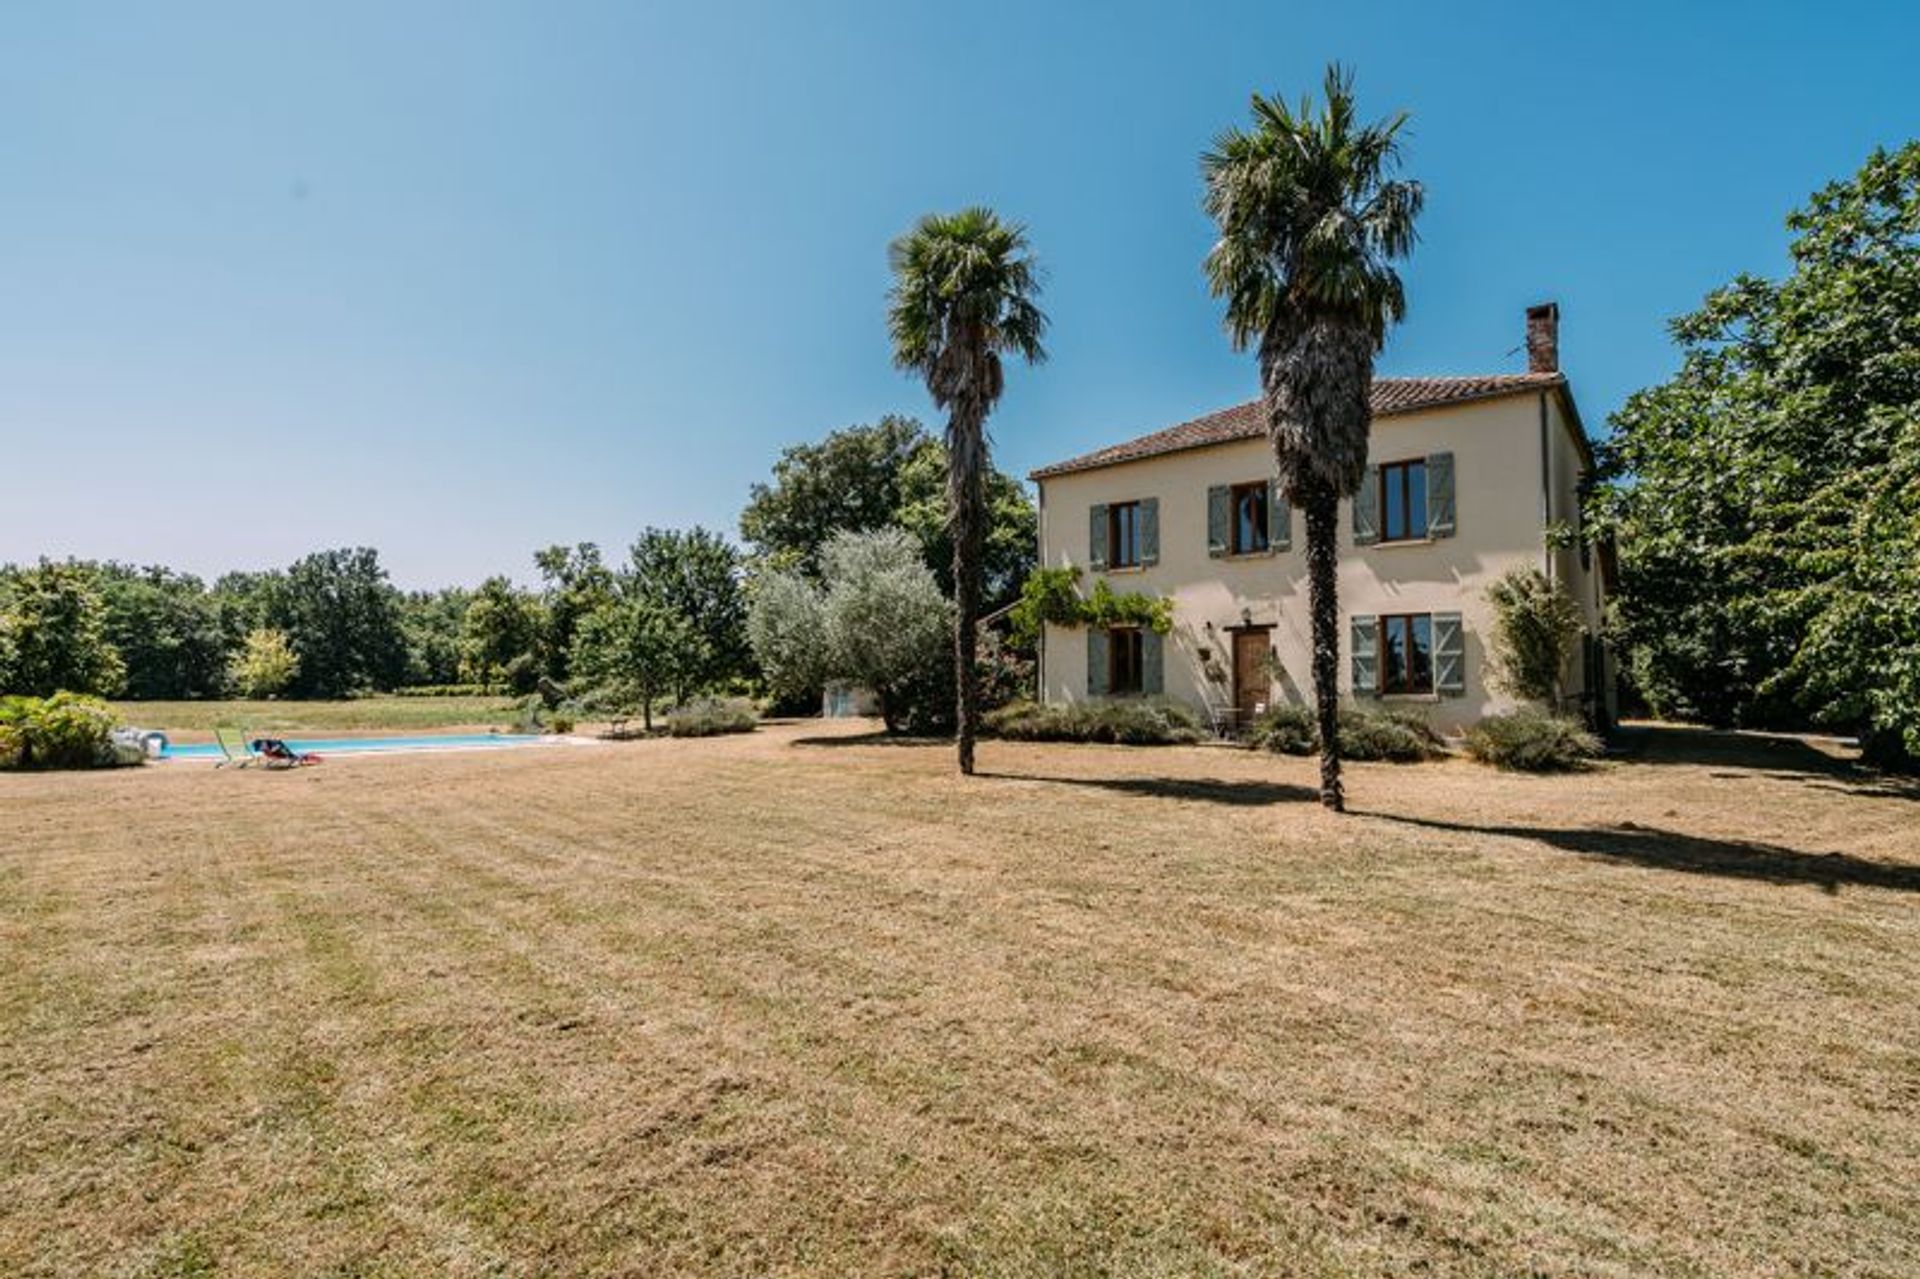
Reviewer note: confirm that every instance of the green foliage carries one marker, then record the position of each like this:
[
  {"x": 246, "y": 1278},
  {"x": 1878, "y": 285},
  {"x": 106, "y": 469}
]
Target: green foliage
[
  {"x": 1050, "y": 596},
  {"x": 67, "y": 730},
  {"x": 695, "y": 576},
  {"x": 1286, "y": 729},
  {"x": 166, "y": 628},
  {"x": 787, "y": 629},
  {"x": 892, "y": 474},
  {"x": 342, "y": 617},
  {"x": 500, "y": 637},
  {"x": 266, "y": 663},
  {"x": 1535, "y": 624},
  {"x": 711, "y": 716},
  {"x": 1532, "y": 741},
  {"x": 577, "y": 582},
  {"x": 1763, "y": 499},
  {"x": 448, "y": 690},
  {"x": 1131, "y": 721},
  {"x": 879, "y": 621},
  {"x": 55, "y": 620},
  {"x": 430, "y": 623},
  {"x": 630, "y": 652},
  {"x": 1389, "y": 735},
  {"x": 1366, "y": 733}
]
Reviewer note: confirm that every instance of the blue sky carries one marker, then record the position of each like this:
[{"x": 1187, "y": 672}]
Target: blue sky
[{"x": 461, "y": 280}]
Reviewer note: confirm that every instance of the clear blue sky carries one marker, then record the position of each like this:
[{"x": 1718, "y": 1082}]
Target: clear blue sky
[{"x": 459, "y": 280}]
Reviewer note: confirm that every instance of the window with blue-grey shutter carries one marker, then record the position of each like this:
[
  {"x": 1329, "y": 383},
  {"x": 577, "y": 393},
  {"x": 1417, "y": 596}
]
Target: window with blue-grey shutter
[
  {"x": 1096, "y": 662},
  {"x": 1097, "y": 535},
  {"x": 1366, "y": 655},
  {"x": 1366, "y": 510},
  {"x": 1149, "y": 531},
  {"x": 1440, "y": 517},
  {"x": 1449, "y": 655},
  {"x": 1152, "y": 661},
  {"x": 1219, "y": 520},
  {"x": 1279, "y": 519}
]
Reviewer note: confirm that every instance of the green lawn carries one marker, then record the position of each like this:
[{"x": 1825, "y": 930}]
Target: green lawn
[{"x": 363, "y": 713}]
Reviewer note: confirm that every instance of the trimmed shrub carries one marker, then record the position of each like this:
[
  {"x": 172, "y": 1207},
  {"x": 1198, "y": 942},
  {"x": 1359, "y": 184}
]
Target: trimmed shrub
[
  {"x": 67, "y": 730},
  {"x": 1285, "y": 730},
  {"x": 450, "y": 690},
  {"x": 1366, "y": 733},
  {"x": 1120, "y": 721},
  {"x": 710, "y": 717},
  {"x": 1532, "y": 741},
  {"x": 1393, "y": 736}
]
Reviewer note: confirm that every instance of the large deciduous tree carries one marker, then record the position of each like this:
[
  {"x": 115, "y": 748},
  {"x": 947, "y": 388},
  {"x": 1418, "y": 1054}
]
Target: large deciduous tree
[
  {"x": 963, "y": 297},
  {"x": 1766, "y": 499},
  {"x": 1311, "y": 222},
  {"x": 54, "y": 633},
  {"x": 877, "y": 619},
  {"x": 887, "y": 474},
  {"x": 694, "y": 574}
]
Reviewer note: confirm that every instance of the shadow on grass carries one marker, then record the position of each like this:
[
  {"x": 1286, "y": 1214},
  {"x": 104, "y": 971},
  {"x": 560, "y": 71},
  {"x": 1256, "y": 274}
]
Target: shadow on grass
[
  {"x": 1736, "y": 755},
  {"x": 878, "y": 737},
  {"x": 1697, "y": 855},
  {"x": 1209, "y": 790}
]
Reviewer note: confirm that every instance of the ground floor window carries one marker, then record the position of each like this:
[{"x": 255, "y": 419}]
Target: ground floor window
[
  {"x": 1125, "y": 659},
  {"x": 1406, "y": 653}
]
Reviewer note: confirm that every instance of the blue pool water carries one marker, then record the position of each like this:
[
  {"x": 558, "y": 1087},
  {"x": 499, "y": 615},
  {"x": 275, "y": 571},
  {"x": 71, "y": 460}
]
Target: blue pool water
[{"x": 362, "y": 745}]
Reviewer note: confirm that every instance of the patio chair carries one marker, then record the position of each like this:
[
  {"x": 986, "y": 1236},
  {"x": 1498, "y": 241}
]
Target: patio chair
[{"x": 234, "y": 748}]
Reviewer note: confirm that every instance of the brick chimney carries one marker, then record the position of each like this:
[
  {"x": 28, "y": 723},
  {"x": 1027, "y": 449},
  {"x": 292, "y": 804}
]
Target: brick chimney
[{"x": 1543, "y": 338}]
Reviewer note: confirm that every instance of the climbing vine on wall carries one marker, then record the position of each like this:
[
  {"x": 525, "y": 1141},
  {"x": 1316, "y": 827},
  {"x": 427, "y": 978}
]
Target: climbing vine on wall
[{"x": 1052, "y": 596}]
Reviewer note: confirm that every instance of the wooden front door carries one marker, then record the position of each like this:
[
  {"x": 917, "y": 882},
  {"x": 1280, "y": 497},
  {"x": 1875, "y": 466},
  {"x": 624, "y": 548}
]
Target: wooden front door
[{"x": 1252, "y": 684}]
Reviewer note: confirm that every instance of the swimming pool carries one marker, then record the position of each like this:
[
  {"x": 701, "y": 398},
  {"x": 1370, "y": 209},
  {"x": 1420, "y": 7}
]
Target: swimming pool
[{"x": 324, "y": 746}]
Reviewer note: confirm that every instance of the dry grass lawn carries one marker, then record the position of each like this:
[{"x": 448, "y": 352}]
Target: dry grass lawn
[{"x": 769, "y": 1006}]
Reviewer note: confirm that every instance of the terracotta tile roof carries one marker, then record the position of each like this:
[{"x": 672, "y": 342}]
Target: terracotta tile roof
[{"x": 1391, "y": 395}]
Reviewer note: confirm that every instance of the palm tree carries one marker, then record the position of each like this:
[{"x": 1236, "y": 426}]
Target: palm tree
[
  {"x": 1310, "y": 224},
  {"x": 963, "y": 296}
]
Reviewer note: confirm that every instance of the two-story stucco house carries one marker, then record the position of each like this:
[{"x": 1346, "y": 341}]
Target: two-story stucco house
[{"x": 1466, "y": 477}]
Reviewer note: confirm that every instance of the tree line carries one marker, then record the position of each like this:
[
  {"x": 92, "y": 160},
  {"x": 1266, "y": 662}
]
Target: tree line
[{"x": 666, "y": 621}]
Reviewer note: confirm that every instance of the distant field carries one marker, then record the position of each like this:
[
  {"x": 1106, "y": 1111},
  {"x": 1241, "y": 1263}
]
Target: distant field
[
  {"x": 803, "y": 1002},
  {"x": 289, "y": 717}
]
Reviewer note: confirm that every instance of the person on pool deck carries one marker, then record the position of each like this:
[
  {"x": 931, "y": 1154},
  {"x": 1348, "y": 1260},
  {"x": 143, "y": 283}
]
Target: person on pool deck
[{"x": 276, "y": 751}]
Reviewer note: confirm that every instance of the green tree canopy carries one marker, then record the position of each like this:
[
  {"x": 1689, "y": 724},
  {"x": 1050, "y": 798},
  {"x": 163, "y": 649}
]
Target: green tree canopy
[
  {"x": 878, "y": 620},
  {"x": 577, "y": 582},
  {"x": 56, "y": 635},
  {"x": 1765, "y": 498},
  {"x": 694, "y": 575},
  {"x": 343, "y": 617},
  {"x": 500, "y": 636},
  {"x": 889, "y": 474},
  {"x": 166, "y": 627}
]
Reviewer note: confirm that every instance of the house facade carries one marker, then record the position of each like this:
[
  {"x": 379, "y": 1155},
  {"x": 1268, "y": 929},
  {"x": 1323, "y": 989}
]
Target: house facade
[{"x": 1467, "y": 478}]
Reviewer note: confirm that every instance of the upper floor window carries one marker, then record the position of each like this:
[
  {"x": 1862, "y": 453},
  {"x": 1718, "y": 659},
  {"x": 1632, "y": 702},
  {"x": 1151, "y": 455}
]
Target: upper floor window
[
  {"x": 1123, "y": 535},
  {"x": 1403, "y": 501},
  {"x": 1249, "y": 519}
]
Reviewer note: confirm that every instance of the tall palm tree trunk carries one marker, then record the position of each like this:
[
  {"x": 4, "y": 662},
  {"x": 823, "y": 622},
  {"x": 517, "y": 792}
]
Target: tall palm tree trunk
[
  {"x": 966, "y": 465},
  {"x": 1322, "y": 508}
]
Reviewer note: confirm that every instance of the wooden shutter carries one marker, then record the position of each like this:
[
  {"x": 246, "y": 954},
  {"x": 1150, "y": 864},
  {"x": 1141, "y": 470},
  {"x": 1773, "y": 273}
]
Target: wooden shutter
[
  {"x": 1366, "y": 510},
  {"x": 1097, "y": 535},
  {"x": 1149, "y": 531},
  {"x": 1449, "y": 655},
  {"x": 1279, "y": 519},
  {"x": 1219, "y": 520},
  {"x": 1153, "y": 649},
  {"x": 1440, "y": 495},
  {"x": 1096, "y": 662},
  {"x": 1366, "y": 655}
]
